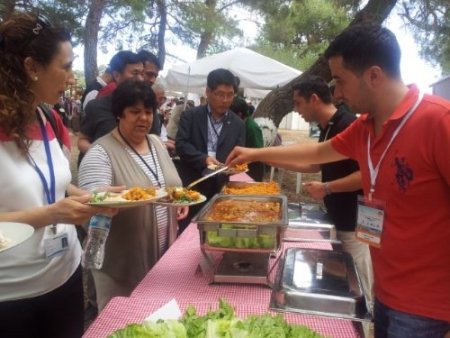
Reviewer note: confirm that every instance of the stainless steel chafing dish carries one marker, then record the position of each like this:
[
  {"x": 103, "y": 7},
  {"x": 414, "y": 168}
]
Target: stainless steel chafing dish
[
  {"x": 309, "y": 222},
  {"x": 273, "y": 188},
  {"x": 319, "y": 282},
  {"x": 223, "y": 233},
  {"x": 245, "y": 245}
]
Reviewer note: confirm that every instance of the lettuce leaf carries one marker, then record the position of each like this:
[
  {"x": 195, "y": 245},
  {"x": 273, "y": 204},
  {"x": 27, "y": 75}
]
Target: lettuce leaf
[{"x": 220, "y": 323}]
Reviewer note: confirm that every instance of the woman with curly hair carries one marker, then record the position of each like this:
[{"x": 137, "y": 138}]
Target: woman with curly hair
[{"x": 40, "y": 279}]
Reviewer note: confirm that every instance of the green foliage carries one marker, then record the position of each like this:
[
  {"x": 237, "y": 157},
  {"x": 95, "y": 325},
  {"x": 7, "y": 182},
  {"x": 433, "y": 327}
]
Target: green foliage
[
  {"x": 430, "y": 23},
  {"x": 193, "y": 19},
  {"x": 298, "y": 31}
]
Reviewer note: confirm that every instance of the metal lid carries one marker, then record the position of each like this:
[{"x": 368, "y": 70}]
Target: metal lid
[{"x": 319, "y": 282}]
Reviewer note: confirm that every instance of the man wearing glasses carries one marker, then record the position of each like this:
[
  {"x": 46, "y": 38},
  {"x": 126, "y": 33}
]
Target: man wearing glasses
[{"x": 207, "y": 134}]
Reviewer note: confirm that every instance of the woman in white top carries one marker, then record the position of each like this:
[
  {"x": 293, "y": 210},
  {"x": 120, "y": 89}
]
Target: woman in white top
[{"x": 40, "y": 279}]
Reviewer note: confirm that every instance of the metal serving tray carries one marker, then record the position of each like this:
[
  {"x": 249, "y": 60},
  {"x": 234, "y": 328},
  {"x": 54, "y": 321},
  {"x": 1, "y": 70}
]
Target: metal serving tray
[
  {"x": 309, "y": 221},
  {"x": 319, "y": 282},
  {"x": 241, "y": 184},
  {"x": 244, "y": 235},
  {"x": 282, "y": 220}
]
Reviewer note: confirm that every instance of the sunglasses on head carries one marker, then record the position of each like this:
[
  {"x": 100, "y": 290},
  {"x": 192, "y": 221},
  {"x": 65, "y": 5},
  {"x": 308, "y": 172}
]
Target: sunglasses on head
[{"x": 42, "y": 22}]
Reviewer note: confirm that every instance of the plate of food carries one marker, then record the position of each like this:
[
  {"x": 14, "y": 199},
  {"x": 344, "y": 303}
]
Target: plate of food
[
  {"x": 179, "y": 196},
  {"x": 133, "y": 197},
  {"x": 236, "y": 169},
  {"x": 12, "y": 234}
]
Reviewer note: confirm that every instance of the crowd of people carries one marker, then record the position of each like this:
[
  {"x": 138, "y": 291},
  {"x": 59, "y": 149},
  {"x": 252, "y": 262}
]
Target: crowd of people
[{"x": 391, "y": 161}]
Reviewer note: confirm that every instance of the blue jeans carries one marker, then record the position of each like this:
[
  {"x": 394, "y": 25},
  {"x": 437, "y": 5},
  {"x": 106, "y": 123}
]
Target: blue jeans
[{"x": 390, "y": 323}]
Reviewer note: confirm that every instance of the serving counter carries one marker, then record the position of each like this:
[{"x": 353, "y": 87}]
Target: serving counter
[{"x": 177, "y": 276}]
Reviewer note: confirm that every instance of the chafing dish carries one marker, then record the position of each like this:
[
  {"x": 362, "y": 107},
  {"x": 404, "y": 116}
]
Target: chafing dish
[
  {"x": 247, "y": 242},
  {"x": 236, "y": 234},
  {"x": 319, "y": 282},
  {"x": 309, "y": 222},
  {"x": 239, "y": 187}
]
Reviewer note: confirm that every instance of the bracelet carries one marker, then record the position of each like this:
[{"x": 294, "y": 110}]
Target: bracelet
[{"x": 326, "y": 187}]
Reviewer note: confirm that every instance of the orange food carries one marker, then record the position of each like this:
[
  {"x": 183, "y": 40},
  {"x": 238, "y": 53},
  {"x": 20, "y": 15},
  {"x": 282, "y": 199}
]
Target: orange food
[
  {"x": 183, "y": 194},
  {"x": 241, "y": 167},
  {"x": 244, "y": 211},
  {"x": 139, "y": 194},
  {"x": 260, "y": 188}
]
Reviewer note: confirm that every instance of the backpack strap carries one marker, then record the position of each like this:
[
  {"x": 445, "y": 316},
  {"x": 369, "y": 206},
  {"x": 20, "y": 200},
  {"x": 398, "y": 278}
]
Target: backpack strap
[{"x": 48, "y": 113}]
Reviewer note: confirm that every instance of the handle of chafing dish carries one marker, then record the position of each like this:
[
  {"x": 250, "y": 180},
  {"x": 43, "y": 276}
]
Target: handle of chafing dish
[
  {"x": 299, "y": 240},
  {"x": 319, "y": 270}
]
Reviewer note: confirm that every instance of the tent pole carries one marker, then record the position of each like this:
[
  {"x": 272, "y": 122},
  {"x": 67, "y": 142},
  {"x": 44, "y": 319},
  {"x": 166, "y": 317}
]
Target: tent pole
[{"x": 187, "y": 88}]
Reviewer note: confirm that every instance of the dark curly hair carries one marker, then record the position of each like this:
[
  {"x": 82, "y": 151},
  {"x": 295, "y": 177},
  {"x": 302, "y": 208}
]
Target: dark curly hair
[
  {"x": 131, "y": 92},
  {"x": 23, "y": 35}
]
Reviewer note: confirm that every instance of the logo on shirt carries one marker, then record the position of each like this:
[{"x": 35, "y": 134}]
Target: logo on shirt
[{"x": 403, "y": 174}]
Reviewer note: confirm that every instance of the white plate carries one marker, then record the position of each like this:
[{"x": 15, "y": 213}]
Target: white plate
[
  {"x": 119, "y": 202},
  {"x": 182, "y": 204},
  {"x": 15, "y": 232}
]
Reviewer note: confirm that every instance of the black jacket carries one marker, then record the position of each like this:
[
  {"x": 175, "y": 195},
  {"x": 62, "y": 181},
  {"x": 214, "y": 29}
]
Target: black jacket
[{"x": 192, "y": 142}]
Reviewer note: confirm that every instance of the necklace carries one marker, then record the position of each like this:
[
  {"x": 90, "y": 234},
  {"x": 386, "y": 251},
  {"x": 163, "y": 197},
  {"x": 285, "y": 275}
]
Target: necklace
[{"x": 155, "y": 174}]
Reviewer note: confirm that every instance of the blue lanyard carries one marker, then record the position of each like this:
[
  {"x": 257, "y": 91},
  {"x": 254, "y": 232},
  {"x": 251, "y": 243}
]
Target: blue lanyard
[{"x": 48, "y": 190}]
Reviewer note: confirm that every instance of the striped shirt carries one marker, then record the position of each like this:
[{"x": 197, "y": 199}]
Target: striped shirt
[{"x": 96, "y": 171}]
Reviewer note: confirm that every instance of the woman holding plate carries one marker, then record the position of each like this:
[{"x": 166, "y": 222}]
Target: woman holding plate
[
  {"x": 131, "y": 157},
  {"x": 41, "y": 292}
]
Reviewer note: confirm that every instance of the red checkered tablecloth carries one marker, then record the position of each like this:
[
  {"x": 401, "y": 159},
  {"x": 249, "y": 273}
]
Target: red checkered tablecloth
[{"x": 176, "y": 275}]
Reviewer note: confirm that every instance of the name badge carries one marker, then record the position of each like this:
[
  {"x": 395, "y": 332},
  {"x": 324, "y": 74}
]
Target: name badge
[
  {"x": 56, "y": 245},
  {"x": 370, "y": 221}
]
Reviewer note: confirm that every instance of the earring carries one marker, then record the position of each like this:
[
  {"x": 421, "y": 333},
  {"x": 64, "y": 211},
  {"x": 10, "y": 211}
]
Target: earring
[{"x": 35, "y": 78}]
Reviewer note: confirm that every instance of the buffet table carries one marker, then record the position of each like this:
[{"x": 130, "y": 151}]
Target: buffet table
[{"x": 177, "y": 276}]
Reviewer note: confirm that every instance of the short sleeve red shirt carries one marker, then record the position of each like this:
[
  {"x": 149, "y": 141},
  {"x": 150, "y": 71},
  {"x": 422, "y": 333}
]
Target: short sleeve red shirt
[{"x": 412, "y": 267}]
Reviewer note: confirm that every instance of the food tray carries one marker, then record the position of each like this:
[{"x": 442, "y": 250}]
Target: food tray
[
  {"x": 272, "y": 188},
  {"x": 309, "y": 221},
  {"x": 319, "y": 282},
  {"x": 227, "y": 234}
]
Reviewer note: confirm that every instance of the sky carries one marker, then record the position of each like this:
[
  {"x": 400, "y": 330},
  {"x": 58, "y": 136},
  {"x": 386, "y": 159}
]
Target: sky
[{"x": 414, "y": 69}]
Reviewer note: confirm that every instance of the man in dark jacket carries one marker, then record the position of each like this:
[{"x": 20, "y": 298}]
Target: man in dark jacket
[{"x": 207, "y": 134}]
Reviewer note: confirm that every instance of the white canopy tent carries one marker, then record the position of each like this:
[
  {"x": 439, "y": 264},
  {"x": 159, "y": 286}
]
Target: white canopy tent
[{"x": 258, "y": 73}]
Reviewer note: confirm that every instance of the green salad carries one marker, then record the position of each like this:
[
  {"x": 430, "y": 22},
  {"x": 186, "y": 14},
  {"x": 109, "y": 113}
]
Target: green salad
[
  {"x": 99, "y": 196},
  {"x": 221, "y": 323},
  {"x": 261, "y": 241}
]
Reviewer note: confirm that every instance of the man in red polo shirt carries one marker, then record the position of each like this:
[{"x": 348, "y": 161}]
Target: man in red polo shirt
[{"x": 401, "y": 144}]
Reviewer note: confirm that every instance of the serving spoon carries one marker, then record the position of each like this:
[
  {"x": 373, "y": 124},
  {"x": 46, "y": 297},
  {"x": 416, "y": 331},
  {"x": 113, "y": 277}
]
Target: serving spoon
[{"x": 201, "y": 179}]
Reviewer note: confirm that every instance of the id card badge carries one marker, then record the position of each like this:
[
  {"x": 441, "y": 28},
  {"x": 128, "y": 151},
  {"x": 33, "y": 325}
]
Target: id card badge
[
  {"x": 370, "y": 221},
  {"x": 56, "y": 244}
]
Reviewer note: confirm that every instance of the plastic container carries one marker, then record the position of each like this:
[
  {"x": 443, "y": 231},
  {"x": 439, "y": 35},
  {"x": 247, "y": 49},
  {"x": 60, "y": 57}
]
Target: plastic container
[{"x": 94, "y": 249}]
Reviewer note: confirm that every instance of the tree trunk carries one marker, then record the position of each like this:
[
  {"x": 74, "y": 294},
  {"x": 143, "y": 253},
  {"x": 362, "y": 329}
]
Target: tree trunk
[
  {"x": 162, "y": 8},
  {"x": 278, "y": 102},
  {"x": 205, "y": 40},
  {"x": 92, "y": 27},
  {"x": 207, "y": 36}
]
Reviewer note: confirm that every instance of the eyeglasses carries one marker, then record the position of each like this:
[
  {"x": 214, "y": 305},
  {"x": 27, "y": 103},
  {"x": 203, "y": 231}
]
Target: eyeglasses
[{"x": 223, "y": 95}]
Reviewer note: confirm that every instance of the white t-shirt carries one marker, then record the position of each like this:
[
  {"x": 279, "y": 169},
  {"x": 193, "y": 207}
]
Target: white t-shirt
[{"x": 24, "y": 270}]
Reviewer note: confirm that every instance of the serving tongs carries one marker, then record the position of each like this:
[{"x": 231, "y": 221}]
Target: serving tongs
[{"x": 215, "y": 172}]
